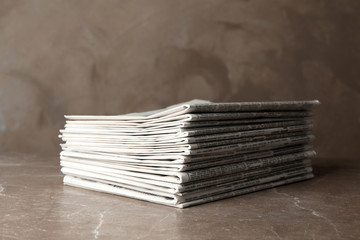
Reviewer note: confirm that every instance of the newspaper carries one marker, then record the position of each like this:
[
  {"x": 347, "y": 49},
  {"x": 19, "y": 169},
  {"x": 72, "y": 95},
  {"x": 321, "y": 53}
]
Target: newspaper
[
  {"x": 161, "y": 178},
  {"x": 200, "y": 106},
  {"x": 187, "y": 155},
  {"x": 108, "y": 188},
  {"x": 166, "y": 134},
  {"x": 193, "y": 187},
  {"x": 183, "y": 148},
  {"x": 171, "y": 166},
  {"x": 190, "y": 153}
]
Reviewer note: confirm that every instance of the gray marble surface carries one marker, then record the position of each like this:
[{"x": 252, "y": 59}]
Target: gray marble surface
[{"x": 35, "y": 205}]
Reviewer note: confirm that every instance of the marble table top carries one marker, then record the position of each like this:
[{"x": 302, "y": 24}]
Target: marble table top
[{"x": 34, "y": 204}]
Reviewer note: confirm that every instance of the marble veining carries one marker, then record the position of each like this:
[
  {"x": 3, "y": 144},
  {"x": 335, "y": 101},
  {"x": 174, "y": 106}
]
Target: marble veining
[
  {"x": 97, "y": 229},
  {"x": 2, "y": 190},
  {"x": 297, "y": 203}
]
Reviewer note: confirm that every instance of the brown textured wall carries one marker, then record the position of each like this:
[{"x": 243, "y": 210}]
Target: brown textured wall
[{"x": 111, "y": 57}]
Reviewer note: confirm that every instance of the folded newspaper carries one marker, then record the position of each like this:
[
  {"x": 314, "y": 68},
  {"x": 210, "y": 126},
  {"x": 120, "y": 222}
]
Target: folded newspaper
[{"x": 190, "y": 153}]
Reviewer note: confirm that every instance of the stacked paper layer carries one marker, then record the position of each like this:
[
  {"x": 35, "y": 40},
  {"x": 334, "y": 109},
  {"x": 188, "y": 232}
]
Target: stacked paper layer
[{"x": 190, "y": 153}]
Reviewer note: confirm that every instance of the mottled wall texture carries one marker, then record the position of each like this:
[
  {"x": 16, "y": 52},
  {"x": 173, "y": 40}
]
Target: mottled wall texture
[{"x": 112, "y": 57}]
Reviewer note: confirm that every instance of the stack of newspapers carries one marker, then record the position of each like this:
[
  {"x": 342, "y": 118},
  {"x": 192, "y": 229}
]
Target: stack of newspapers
[{"x": 190, "y": 153}]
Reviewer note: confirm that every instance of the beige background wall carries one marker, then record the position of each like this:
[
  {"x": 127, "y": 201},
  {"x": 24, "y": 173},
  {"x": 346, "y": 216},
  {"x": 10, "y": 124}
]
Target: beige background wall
[{"x": 112, "y": 57}]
